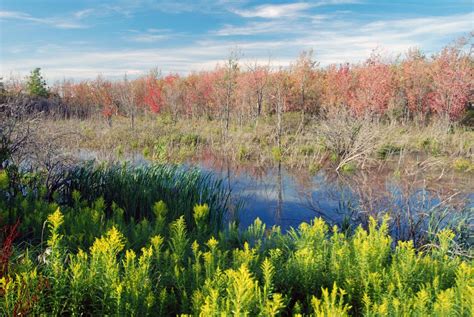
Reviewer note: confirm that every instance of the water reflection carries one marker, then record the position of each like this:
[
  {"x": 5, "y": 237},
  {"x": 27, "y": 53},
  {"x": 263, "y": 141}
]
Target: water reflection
[{"x": 417, "y": 203}]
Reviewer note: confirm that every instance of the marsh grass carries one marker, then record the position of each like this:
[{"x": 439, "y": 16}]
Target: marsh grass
[
  {"x": 317, "y": 143},
  {"x": 137, "y": 188}
]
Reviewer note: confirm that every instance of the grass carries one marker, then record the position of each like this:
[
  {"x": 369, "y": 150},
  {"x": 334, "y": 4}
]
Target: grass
[
  {"x": 162, "y": 140},
  {"x": 137, "y": 188},
  {"x": 128, "y": 192}
]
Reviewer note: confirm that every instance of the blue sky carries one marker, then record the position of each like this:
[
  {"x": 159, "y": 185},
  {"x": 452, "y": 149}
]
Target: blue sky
[{"x": 81, "y": 39}]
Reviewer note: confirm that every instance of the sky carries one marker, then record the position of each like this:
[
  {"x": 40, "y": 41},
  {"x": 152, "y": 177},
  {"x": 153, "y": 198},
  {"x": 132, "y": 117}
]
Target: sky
[{"x": 84, "y": 38}]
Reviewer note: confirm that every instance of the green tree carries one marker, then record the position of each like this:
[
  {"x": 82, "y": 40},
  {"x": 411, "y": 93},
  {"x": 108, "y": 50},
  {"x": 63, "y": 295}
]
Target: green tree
[{"x": 36, "y": 84}]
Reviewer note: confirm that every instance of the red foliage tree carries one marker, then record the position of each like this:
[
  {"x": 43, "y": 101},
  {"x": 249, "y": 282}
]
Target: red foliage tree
[
  {"x": 452, "y": 82},
  {"x": 306, "y": 84},
  {"x": 418, "y": 85},
  {"x": 374, "y": 87},
  {"x": 154, "y": 94},
  {"x": 415, "y": 82},
  {"x": 172, "y": 93},
  {"x": 338, "y": 90},
  {"x": 208, "y": 92},
  {"x": 257, "y": 81},
  {"x": 102, "y": 94}
]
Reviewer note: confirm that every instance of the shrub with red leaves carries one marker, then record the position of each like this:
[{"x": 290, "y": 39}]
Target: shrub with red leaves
[{"x": 8, "y": 235}]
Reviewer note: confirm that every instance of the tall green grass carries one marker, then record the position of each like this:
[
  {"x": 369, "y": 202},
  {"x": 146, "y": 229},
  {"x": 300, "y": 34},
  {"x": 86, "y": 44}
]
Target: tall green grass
[
  {"x": 94, "y": 197},
  {"x": 137, "y": 188}
]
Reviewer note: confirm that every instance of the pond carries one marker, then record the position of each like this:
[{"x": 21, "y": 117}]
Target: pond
[
  {"x": 416, "y": 199},
  {"x": 287, "y": 197}
]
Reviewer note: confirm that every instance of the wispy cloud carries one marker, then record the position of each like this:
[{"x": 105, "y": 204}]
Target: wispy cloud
[
  {"x": 147, "y": 38},
  {"x": 252, "y": 28},
  {"x": 60, "y": 23},
  {"x": 276, "y": 27},
  {"x": 151, "y": 35},
  {"x": 84, "y": 13},
  {"x": 264, "y": 31},
  {"x": 175, "y": 7},
  {"x": 439, "y": 25},
  {"x": 274, "y": 11}
]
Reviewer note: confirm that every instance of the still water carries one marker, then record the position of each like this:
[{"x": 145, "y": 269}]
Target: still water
[
  {"x": 416, "y": 200},
  {"x": 286, "y": 198}
]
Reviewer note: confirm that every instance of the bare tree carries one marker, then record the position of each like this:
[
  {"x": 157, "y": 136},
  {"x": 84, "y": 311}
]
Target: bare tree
[
  {"x": 229, "y": 82},
  {"x": 126, "y": 97},
  {"x": 281, "y": 87},
  {"x": 17, "y": 127},
  {"x": 351, "y": 139},
  {"x": 259, "y": 75}
]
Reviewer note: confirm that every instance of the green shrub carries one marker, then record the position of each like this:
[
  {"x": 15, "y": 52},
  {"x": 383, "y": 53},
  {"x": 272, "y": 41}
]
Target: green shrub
[
  {"x": 36, "y": 85},
  {"x": 430, "y": 145},
  {"x": 276, "y": 154},
  {"x": 348, "y": 168},
  {"x": 190, "y": 139},
  {"x": 387, "y": 150},
  {"x": 243, "y": 153},
  {"x": 4, "y": 180},
  {"x": 306, "y": 150},
  {"x": 314, "y": 168},
  {"x": 463, "y": 164},
  {"x": 146, "y": 152}
]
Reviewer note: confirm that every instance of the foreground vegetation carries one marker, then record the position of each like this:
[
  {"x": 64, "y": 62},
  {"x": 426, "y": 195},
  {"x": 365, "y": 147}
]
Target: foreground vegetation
[{"x": 117, "y": 254}]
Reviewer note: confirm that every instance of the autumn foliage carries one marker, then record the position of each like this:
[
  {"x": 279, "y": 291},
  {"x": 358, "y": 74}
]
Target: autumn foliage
[{"x": 414, "y": 86}]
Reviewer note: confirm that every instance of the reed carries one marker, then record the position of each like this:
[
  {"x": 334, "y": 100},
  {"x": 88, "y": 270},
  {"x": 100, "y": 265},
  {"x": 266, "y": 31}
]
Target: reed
[{"x": 137, "y": 188}]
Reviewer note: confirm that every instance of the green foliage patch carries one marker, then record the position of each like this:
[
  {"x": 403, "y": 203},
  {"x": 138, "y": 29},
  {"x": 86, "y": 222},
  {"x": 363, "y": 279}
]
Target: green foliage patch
[{"x": 312, "y": 269}]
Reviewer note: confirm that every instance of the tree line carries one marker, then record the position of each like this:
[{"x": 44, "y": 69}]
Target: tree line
[{"x": 413, "y": 87}]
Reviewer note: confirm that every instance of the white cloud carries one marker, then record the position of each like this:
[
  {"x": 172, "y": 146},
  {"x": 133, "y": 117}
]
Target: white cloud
[
  {"x": 335, "y": 39},
  {"x": 153, "y": 30},
  {"x": 84, "y": 13},
  {"x": 415, "y": 26},
  {"x": 279, "y": 27},
  {"x": 273, "y": 11},
  {"x": 60, "y": 23},
  {"x": 252, "y": 28},
  {"x": 173, "y": 6},
  {"x": 148, "y": 38},
  {"x": 291, "y": 10},
  {"x": 151, "y": 35}
]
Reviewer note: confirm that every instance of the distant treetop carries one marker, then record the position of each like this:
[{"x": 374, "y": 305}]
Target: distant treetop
[{"x": 36, "y": 85}]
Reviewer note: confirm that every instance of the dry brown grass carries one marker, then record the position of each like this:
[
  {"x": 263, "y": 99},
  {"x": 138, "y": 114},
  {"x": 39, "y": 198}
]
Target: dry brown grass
[{"x": 338, "y": 142}]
